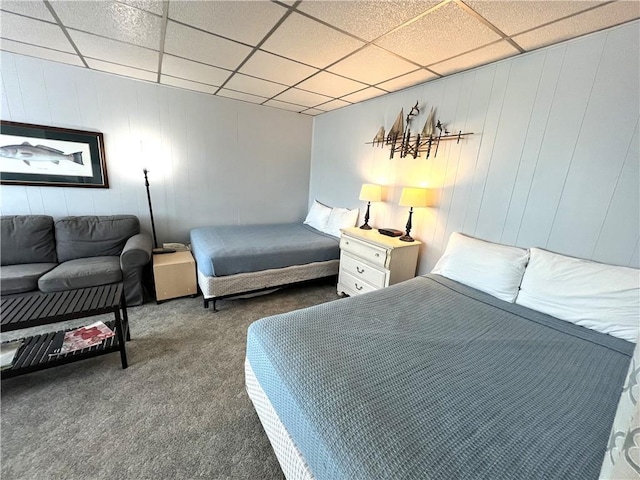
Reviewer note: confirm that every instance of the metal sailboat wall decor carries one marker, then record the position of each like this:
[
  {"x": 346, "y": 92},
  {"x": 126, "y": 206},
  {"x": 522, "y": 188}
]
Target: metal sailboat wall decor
[{"x": 378, "y": 140}]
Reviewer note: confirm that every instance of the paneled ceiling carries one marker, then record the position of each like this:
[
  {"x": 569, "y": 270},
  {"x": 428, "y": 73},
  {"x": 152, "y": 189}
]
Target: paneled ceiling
[{"x": 308, "y": 56}]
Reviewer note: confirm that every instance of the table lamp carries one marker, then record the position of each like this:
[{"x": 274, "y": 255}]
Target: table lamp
[
  {"x": 369, "y": 193},
  {"x": 412, "y": 197}
]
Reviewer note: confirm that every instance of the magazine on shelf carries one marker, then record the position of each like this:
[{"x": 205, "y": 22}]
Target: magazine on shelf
[
  {"x": 8, "y": 351},
  {"x": 83, "y": 337}
]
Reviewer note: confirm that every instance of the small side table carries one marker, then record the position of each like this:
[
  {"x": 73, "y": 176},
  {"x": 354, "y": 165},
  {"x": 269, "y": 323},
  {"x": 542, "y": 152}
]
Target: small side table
[{"x": 174, "y": 275}]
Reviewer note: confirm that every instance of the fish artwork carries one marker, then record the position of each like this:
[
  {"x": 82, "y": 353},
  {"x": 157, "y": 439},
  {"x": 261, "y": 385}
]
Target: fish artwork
[{"x": 39, "y": 153}]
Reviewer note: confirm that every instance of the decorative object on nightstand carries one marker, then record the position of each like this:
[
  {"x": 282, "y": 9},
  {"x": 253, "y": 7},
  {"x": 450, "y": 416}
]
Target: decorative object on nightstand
[
  {"x": 369, "y": 193},
  {"x": 413, "y": 198},
  {"x": 370, "y": 261},
  {"x": 156, "y": 250}
]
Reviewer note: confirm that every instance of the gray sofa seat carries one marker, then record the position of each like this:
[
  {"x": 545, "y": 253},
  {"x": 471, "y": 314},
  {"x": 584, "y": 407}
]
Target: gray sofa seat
[
  {"x": 22, "y": 278},
  {"x": 82, "y": 273}
]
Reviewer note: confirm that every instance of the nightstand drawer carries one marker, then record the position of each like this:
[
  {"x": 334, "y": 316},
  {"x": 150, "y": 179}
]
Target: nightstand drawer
[
  {"x": 357, "y": 285},
  {"x": 363, "y": 271},
  {"x": 367, "y": 251}
]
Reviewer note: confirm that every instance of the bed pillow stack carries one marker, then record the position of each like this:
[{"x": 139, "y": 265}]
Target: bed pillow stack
[{"x": 330, "y": 220}]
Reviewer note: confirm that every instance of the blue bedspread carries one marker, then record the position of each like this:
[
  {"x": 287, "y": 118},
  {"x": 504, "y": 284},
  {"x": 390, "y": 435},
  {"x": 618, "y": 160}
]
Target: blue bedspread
[
  {"x": 430, "y": 379},
  {"x": 227, "y": 250}
]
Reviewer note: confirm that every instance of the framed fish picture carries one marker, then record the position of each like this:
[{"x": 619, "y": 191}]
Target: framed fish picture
[{"x": 50, "y": 156}]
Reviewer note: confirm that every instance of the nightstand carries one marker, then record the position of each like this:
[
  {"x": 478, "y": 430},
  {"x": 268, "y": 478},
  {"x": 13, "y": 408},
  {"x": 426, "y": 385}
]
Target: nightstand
[
  {"x": 370, "y": 261},
  {"x": 174, "y": 275}
]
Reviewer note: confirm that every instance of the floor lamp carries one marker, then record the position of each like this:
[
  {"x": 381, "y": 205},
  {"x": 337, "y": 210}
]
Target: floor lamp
[{"x": 155, "y": 250}]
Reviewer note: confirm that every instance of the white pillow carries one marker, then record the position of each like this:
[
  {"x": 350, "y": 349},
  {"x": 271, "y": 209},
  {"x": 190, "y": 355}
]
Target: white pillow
[
  {"x": 341, "y": 218},
  {"x": 492, "y": 268},
  {"x": 318, "y": 216},
  {"x": 602, "y": 297}
]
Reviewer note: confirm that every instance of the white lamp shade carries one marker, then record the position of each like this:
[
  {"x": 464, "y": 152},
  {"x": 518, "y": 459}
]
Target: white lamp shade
[
  {"x": 371, "y": 193},
  {"x": 414, "y": 197}
]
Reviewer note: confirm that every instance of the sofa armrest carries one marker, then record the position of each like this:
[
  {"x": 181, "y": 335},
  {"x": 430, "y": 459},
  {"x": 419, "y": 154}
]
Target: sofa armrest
[{"x": 136, "y": 252}]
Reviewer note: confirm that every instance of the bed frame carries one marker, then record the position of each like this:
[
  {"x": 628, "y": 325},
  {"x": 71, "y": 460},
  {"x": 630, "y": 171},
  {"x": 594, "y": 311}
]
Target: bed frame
[{"x": 217, "y": 288}]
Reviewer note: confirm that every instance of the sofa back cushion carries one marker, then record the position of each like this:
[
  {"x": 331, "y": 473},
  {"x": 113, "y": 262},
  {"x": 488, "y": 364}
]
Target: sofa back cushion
[
  {"x": 26, "y": 239},
  {"x": 93, "y": 236}
]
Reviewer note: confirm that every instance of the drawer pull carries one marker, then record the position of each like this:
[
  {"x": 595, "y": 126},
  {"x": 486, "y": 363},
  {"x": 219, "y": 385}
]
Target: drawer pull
[
  {"x": 357, "y": 287},
  {"x": 377, "y": 254},
  {"x": 360, "y": 270}
]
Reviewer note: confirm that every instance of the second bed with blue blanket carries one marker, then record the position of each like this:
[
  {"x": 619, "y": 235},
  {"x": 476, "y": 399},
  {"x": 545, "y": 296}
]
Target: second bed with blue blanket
[{"x": 430, "y": 379}]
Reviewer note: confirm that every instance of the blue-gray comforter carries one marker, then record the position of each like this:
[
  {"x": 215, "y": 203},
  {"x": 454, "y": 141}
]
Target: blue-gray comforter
[{"x": 430, "y": 379}]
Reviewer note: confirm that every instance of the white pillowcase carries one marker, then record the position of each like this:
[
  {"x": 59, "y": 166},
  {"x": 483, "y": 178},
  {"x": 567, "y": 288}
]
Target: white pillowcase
[
  {"x": 341, "y": 218},
  {"x": 492, "y": 268},
  {"x": 318, "y": 216},
  {"x": 602, "y": 297}
]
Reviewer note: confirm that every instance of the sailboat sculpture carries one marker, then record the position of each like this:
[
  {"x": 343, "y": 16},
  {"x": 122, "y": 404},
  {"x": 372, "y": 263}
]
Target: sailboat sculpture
[
  {"x": 378, "y": 140},
  {"x": 428, "y": 131},
  {"x": 396, "y": 132}
]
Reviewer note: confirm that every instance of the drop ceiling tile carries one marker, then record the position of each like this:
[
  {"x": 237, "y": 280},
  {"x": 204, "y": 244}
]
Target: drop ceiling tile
[
  {"x": 366, "y": 19},
  {"x": 332, "y": 105},
  {"x": 302, "y": 97},
  {"x": 363, "y": 95},
  {"x": 190, "y": 43},
  {"x": 277, "y": 69},
  {"x": 313, "y": 112},
  {"x": 515, "y": 16},
  {"x": 35, "y": 32},
  {"x": 244, "y": 21},
  {"x": 408, "y": 80},
  {"x": 121, "y": 70},
  {"x": 482, "y": 56},
  {"x": 441, "y": 34},
  {"x": 189, "y": 70},
  {"x": 114, "y": 52},
  {"x": 372, "y": 65},
  {"x": 30, "y": 9},
  {"x": 240, "y": 96},
  {"x": 331, "y": 85},
  {"x": 153, "y": 6},
  {"x": 113, "y": 20},
  {"x": 40, "y": 52},
  {"x": 310, "y": 42},
  {"x": 284, "y": 106},
  {"x": 186, "y": 84},
  {"x": 254, "y": 86},
  {"x": 606, "y": 16}
]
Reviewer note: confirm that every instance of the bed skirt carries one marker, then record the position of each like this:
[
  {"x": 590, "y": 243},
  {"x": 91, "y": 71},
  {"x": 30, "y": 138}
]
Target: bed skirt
[
  {"x": 290, "y": 459},
  {"x": 217, "y": 287}
]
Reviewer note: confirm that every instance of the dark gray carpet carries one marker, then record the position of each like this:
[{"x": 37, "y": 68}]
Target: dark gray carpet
[{"x": 179, "y": 411}]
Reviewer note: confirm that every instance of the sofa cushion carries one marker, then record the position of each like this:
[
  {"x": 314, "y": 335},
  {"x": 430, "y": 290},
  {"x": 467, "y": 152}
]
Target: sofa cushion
[
  {"x": 93, "y": 236},
  {"x": 81, "y": 273},
  {"x": 22, "y": 278},
  {"x": 27, "y": 239}
]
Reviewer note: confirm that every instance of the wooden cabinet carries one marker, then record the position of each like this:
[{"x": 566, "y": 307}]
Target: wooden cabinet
[{"x": 370, "y": 261}]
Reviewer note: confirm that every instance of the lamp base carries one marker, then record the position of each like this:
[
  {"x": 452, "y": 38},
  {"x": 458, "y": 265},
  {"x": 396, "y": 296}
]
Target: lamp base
[
  {"x": 365, "y": 227},
  {"x": 406, "y": 238},
  {"x": 159, "y": 251}
]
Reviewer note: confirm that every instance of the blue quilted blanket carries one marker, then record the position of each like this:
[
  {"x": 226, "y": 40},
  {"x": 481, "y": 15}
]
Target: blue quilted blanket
[{"x": 430, "y": 379}]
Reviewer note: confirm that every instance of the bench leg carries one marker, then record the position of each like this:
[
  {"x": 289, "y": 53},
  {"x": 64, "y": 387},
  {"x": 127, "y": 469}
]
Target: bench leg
[
  {"x": 125, "y": 316},
  {"x": 121, "y": 339}
]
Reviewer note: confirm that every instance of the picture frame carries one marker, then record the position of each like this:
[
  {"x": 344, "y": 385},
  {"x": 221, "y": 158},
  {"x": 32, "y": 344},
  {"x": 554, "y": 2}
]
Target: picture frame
[{"x": 43, "y": 156}]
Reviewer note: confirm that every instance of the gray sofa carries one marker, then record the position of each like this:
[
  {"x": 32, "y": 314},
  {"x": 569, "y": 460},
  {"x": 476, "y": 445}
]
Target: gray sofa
[{"x": 37, "y": 253}]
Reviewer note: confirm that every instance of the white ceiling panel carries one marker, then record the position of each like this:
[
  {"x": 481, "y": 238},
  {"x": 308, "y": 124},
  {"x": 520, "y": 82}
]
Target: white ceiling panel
[
  {"x": 186, "y": 84},
  {"x": 114, "y": 51},
  {"x": 113, "y": 20},
  {"x": 153, "y": 6},
  {"x": 372, "y": 65},
  {"x": 121, "y": 70},
  {"x": 190, "y": 43},
  {"x": 302, "y": 97},
  {"x": 329, "y": 84},
  {"x": 244, "y": 21},
  {"x": 310, "y": 42},
  {"x": 40, "y": 52},
  {"x": 189, "y": 70},
  {"x": 254, "y": 86},
  {"x": 408, "y": 80},
  {"x": 332, "y": 105},
  {"x": 363, "y": 95},
  {"x": 366, "y": 19},
  {"x": 30, "y": 9},
  {"x": 284, "y": 106},
  {"x": 491, "y": 53},
  {"x": 312, "y": 111},
  {"x": 591, "y": 21},
  {"x": 275, "y": 68},
  {"x": 240, "y": 96},
  {"x": 441, "y": 34},
  {"x": 35, "y": 32}
]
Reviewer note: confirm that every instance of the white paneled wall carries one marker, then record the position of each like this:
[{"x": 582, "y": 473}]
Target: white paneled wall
[
  {"x": 554, "y": 161},
  {"x": 212, "y": 160}
]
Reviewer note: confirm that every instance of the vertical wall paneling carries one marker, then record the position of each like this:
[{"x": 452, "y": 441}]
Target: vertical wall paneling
[{"x": 553, "y": 161}]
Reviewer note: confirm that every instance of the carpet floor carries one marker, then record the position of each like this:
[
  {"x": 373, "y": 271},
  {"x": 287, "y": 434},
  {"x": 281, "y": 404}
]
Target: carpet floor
[{"x": 179, "y": 411}]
